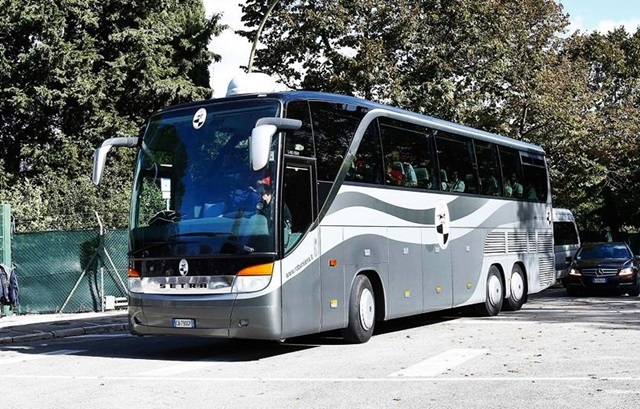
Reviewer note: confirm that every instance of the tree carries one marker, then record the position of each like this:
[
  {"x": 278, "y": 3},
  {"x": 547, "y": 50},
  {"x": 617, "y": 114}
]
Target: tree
[
  {"x": 73, "y": 72},
  {"x": 497, "y": 65},
  {"x": 461, "y": 60},
  {"x": 610, "y": 126}
]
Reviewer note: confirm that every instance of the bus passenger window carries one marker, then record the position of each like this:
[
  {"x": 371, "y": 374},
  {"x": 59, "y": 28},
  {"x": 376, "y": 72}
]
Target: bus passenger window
[
  {"x": 455, "y": 155},
  {"x": 407, "y": 154}
]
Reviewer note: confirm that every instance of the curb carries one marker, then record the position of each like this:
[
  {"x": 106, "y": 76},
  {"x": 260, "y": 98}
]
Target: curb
[{"x": 63, "y": 333}]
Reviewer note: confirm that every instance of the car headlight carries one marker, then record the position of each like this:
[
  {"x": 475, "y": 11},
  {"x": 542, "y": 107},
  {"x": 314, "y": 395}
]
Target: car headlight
[
  {"x": 625, "y": 272},
  {"x": 575, "y": 272}
]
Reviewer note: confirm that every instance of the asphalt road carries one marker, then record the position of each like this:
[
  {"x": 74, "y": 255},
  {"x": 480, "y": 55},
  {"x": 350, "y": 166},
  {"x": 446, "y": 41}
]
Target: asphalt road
[{"x": 557, "y": 352}]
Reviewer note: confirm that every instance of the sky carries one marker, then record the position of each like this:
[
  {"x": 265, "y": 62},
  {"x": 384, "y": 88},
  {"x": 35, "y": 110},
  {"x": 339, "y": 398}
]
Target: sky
[{"x": 584, "y": 15}]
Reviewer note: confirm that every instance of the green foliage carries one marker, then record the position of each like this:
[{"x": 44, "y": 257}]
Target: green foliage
[
  {"x": 498, "y": 65},
  {"x": 75, "y": 72}
]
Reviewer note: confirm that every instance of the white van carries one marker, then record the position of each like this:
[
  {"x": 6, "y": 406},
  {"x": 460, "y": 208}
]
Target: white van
[{"x": 566, "y": 239}]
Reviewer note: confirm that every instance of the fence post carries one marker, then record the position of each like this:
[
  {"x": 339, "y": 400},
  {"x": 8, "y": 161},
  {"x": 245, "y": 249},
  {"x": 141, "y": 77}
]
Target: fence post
[{"x": 5, "y": 234}]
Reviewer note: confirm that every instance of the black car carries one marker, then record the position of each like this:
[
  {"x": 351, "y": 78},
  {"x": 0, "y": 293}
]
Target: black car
[{"x": 604, "y": 266}]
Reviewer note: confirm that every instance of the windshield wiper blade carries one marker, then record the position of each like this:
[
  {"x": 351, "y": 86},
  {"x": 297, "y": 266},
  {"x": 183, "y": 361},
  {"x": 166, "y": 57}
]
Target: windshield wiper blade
[
  {"x": 234, "y": 243},
  {"x": 202, "y": 234},
  {"x": 151, "y": 246},
  {"x": 239, "y": 246}
]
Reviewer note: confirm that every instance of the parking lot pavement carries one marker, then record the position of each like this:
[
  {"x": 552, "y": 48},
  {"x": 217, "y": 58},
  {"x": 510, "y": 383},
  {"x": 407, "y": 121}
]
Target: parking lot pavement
[{"x": 35, "y": 327}]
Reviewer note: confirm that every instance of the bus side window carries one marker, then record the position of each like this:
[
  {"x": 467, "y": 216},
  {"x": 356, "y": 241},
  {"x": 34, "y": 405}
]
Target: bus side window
[
  {"x": 299, "y": 142},
  {"x": 455, "y": 156},
  {"x": 333, "y": 127},
  {"x": 407, "y": 154},
  {"x": 488, "y": 168},
  {"x": 534, "y": 171},
  {"x": 367, "y": 165},
  {"x": 511, "y": 173}
]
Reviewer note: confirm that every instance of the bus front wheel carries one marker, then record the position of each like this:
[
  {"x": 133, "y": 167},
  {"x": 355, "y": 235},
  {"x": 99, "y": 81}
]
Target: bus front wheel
[
  {"x": 494, "y": 294},
  {"x": 362, "y": 312}
]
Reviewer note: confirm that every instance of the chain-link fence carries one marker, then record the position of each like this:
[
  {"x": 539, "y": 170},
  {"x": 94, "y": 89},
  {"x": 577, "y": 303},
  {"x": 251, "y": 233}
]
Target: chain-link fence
[{"x": 70, "y": 271}]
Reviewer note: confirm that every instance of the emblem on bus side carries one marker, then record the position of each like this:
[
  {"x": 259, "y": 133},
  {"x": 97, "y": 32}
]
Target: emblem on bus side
[
  {"x": 199, "y": 118},
  {"x": 442, "y": 224},
  {"x": 183, "y": 267}
]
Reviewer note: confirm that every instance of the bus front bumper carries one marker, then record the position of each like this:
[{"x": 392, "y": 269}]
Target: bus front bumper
[{"x": 206, "y": 316}]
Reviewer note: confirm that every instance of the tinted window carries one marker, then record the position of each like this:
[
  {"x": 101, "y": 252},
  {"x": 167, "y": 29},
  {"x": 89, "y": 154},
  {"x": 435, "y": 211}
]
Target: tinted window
[
  {"x": 333, "y": 128},
  {"x": 367, "y": 164},
  {"x": 299, "y": 142},
  {"x": 511, "y": 174},
  {"x": 407, "y": 154},
  {"x": 488, "y": 168},
  {"x": 534, "y": 176},
  {"x": 564, "y": 233},
  {"x": 457, "y": 163}
]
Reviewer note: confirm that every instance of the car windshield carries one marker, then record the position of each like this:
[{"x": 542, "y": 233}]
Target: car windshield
[
  {"x": 604, "y": 251},
  {"x": 195, "y": 192}
]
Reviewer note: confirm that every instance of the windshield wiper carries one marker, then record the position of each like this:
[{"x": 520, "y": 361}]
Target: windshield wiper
[
  {"x": 202, "y": 234},
  {"x": 238, "y": 246},
  {"x": 233, "y": 243}
]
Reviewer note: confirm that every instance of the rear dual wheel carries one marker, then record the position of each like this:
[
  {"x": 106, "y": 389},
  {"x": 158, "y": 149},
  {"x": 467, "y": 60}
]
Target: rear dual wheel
[
  {"x": 494, "y": 296},
  {"x": 518, "y": 287}
]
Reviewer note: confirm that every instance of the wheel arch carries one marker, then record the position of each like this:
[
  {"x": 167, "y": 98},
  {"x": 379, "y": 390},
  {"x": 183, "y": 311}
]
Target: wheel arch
[{"x": 378, "y": 292}]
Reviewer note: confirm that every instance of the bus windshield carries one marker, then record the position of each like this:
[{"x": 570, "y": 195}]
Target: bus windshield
[{"x": 195, "y": 193}]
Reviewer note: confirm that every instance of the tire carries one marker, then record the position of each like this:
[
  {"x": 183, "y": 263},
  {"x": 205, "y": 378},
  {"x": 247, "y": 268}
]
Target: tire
[
  {"x": 518, "y": 285},
  {"x": 572, "y": 291},
  {"x": 362, "y": 312},
  {"x": 635, "y": 291},
  {"x": 494, "y": 295}
]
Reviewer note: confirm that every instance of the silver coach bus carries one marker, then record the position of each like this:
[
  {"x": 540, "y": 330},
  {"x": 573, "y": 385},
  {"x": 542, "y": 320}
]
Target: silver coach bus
[{"x": 273, "y": 215}]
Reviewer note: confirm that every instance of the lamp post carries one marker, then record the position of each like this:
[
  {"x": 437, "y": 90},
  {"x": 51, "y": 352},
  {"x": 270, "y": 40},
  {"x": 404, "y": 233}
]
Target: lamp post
[{"x": 255, "y": 41}]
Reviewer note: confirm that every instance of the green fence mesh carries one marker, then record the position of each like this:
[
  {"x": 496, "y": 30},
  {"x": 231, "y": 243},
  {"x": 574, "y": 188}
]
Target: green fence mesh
[{"x": 69, "y": 271}]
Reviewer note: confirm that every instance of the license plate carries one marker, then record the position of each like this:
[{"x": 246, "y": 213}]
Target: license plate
[
  {"x": 600, "y": 280},
  {"x": 184, "y": 323}
]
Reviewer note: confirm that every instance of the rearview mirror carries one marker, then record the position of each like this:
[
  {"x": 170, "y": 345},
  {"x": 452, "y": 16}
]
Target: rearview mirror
[
  {"x": 260, "y": 145},
  {"x": 261, "y": 138},
  {"x": 100, "y": 154}
]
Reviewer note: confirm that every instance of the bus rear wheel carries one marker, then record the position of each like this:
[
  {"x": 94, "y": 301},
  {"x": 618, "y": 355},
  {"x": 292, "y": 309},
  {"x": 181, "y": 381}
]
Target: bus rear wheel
[
  {"x": 518, "y": 287},
  {"x": 362, "y": 312},
  {"x": 495, "y": 294}
]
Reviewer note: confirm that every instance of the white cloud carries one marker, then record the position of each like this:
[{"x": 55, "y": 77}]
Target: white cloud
[
  {"x": 233, "y": 49},
  {"x": 630, "y": 26}
]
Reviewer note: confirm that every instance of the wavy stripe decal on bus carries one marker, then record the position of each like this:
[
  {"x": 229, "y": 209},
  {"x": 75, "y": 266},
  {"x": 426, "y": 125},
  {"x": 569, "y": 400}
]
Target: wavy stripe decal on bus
[{"x": 459, "y": 207}]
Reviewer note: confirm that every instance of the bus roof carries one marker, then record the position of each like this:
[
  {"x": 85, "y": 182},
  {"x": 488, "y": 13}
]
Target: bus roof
[{"x": 286, "y": 96}]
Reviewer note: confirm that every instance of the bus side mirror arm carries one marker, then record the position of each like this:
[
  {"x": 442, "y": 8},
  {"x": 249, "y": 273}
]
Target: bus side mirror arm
[
  {"x": 100, "y": 154},
  {"x": 261, "y": 138}
]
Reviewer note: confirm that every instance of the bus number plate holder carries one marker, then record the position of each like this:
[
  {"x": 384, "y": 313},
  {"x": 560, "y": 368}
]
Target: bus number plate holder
[{"x": 184, "y": 323}]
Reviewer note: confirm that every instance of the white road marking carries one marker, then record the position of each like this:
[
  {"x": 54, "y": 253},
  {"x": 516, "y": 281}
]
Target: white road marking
[
  {"x": 26, "y": 357},
  {"x": 176, "y": 369},
  {"x": 439, "y": 364},
  {"x": 439, "y": 379}
]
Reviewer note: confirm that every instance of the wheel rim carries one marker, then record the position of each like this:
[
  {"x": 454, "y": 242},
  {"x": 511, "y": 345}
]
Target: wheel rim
[
  {"x": 495, "y": 290},
  {"x": 367, "y": 309},
  {"x": 517, "y": 287}
]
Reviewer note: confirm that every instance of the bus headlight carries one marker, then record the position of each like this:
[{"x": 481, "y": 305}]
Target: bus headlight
[{"x": 254, "y": 278}]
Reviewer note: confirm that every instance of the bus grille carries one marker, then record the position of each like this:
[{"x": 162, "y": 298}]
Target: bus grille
[
  {"x": 545, "y": 243},
  {"x": 546, "y": 265},
  {"x": 517, "y": 242},
  {"x": 495, "y": 243},
  {"x": 499, "y": 242}
]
